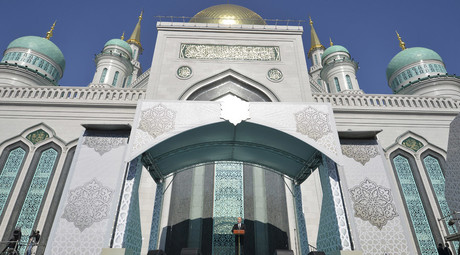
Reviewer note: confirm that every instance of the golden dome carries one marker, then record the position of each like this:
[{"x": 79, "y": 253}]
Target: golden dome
[{"x": 228, "y": 14}]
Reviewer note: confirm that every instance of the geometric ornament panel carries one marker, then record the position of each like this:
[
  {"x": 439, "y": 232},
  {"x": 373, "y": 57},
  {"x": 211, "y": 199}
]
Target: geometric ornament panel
[
  {"x": 414, "y": 206},
  {"x": 373, "y": 203},
  {"x": 228, "y": 205},
  {"x": 35, "y": 194}
]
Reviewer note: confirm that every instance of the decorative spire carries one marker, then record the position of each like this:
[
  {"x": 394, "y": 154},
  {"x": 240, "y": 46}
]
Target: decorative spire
[
  {"x": 330, "y": 42},
  {"x": 49, "y": 34},
  {"x": 315, "y": 43},
  {"x": 136, "y": 35},
  {"x": 123, "y": 36},
  {"x": 401, "y": 43}
]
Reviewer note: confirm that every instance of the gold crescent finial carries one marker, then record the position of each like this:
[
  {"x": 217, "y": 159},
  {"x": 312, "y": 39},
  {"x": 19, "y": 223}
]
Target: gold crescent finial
[
  {"x": 140, "y": 16},
  {"x": 311, "y": 21},
  {"x": 123, "y": 36},
  {"x": 401, "y": 43},
  {"x": 330, "y": 42},
  {"x": 49, "y": 34}
]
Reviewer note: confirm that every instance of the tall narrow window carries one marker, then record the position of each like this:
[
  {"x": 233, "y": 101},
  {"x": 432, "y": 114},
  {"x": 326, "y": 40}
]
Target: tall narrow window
[
  {"x": 414, "y": 204},
  {"x": 9, "y": 173},
  {"x": 129, "y": 80},
  {"x": 337, "y": 84},
  {"x": 115, "y": 78},
  {"x": 350, "y": 86},
  {"x": 36, "y": 193},
  {"x": 433, "y": 168},
  {"x": 316, "y": 59},
  {"x": 104, "y": 73}
]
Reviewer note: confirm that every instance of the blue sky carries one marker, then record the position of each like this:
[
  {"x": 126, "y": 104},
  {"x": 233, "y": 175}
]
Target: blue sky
[{"x": 365, "y": 27}]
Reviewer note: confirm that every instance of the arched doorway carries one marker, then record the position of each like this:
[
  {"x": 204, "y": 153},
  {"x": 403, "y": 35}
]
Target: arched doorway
[{"x": 171, "y": 137}]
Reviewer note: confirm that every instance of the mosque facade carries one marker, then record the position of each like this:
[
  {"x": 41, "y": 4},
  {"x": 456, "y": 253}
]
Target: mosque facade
[{"x": 229, "y": 121}]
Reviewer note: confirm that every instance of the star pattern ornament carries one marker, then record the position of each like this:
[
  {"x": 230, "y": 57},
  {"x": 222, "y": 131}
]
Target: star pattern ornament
[
  {"x": 313, "y": 123},
  {"x": 157, "y": 120},
  {"x": 103, "y": 144},
  {"x": 88, "y": 204},
  {"x": 373, "y": 203},
  {"x": 361, "y": 153}
]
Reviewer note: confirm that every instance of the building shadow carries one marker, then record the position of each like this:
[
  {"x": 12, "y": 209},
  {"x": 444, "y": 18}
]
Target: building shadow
[{"x": 260, "y": 237}]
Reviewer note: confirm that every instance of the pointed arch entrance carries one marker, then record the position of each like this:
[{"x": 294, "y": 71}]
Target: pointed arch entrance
[{"x": 287, "y": 139}]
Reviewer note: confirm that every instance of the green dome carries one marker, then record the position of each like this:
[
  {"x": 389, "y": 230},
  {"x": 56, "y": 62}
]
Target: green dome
[
  {"x": 410, "y": 56},
  {"x": 121, "y": 43},
  {"x": 333, "y": 49},
  {"x": 41, "y": 45}
]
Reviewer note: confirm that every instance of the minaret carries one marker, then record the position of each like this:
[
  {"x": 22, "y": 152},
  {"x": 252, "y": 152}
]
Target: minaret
[
  {"x": 314, "y": 54},
  {"x": 135, "y": 43},
  {"x": 113, "y": 65},
  {"x": 339, "y": 70}
]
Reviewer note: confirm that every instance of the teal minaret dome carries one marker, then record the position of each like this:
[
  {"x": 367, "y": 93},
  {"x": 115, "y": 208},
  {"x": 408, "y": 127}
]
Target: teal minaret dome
[
  {"x": 334, "y": 49},
  {"x": 119, "y": 43},
  {"x": 40, "y": 45},
  {"x": 39, "y": 57},
  {"x": 339, "y": 70},
  {"x": 411, "y": 65},
  {"x": 410, "y": 56},
  {"x": 114, "y": 64}
]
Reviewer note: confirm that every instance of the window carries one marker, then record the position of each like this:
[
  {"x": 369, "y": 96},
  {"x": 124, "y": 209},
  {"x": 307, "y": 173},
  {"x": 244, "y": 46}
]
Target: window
[
  {"x": 415, "y": 70},
  {"x": 104, "y": 73},
  {"x": 34, "y": 60},
  {"x": 13, "y": 160},
  {"x": 426, "y": 68},
  {"x": 420, "y": 69},
  {"x": 433, "y": 165},
  {"x": 337, "y": 84},
  {"x": 115, "y": 78},
  {"x": 403, "y": 74},
  {"x": 316, "y": 59},
  {"x": 24, "y": 57},
  {"x": 18, "y": 55},
  {"x": 431, "y": 68},
  {"x": 46, "y": 66},
  {"x": 40, "y": 64},
  {"x": 409, "y": 73},
  {"x": 416, "y": 201},
  {"x": 35, "y": 191},
  {"x": 29, "y": 59},
  {"x": 129, "y": 81},
  {"x": 350, "y": 86}
]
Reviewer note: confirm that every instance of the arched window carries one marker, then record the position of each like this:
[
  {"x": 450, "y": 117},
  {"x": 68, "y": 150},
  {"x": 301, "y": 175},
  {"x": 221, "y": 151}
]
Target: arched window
[
  {"x": 124, "y": 82},
  {"x": 337, "y": 84},
  {"x": 423, "y": 221},
  {"x": 434, "y": 164},
  {"x": 104, "y": 73},
  {"x": 129, "y": 80},
  {"x": 115, "y": 78},
  {"x": 11, "y": 162},
  {"x": 29, "y": 203},
  {"x": 350, "y": 86}
]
